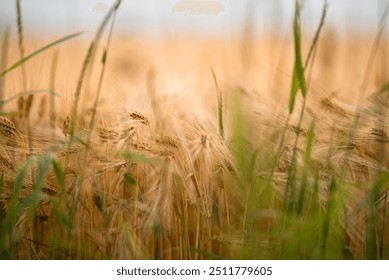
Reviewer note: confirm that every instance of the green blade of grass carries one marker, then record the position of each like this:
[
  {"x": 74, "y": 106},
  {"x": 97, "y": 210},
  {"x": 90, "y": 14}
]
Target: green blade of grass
[
  {"x": 219, "y": 104},
  {"x": 28, "y": 57},
  {"x": 14, "y": 209},
  {"x": 26, "y": 93},
  {"x": 299, "y": 68},
  {"x": 317, "y": 35},
  {"x": 238, "y": 140},
  {"x": 43, "y": 167},
  {"x": 293, "y": 90},
  {"x": 101, "y": 78},
  {"x": 129, "y": 179},
  {"x": 329, "y": 218},
  {"x": 59, "y": 174},
  {"x": 307, "y": 162},
  {"x": 61, "y": 214},
  {"x": 87, "y": 64},
  {"x": 370, "y": 199},
  {"x": 315, "y": 200},
  {"x": 383, "y": 89},
  {"x": 298, "y": 80}
]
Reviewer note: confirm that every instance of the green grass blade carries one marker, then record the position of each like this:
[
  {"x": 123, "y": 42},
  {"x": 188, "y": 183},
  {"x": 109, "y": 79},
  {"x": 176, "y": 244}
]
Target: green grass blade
[
  {"x": 26, "y": 93},
  {"x": 59, "y": 174},
  {"x": 14, "y": 209},
  {"x": 317, "y": 34},
  {"x": 371, "y": 198},
  {"x": 129, "y": 179},
  {"x": 87, "y": 64},
  {"x": 43, "y": 168},
  {"x": 299, "y": 68},
  {"x": 61, "y": 214},
  {"x": 315, "y": 200},
  {"x": 307, "y": 162},
  {"x": 28, "y": 57},
  {"x": 329, "y": 217},
  {"x": 293, "y": 90},
  {"x": 219, "y": 104},
  {"x": 381, "y": 90},
  {"x": 298, "y": 80},
  {"x": 238, "y": 140}
]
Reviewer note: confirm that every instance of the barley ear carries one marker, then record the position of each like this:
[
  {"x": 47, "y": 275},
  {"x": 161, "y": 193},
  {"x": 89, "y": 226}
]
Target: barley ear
[{"x": 7, "y": 127}]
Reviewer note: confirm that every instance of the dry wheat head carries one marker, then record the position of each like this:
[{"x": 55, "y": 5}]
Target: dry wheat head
[{"x": 7, "y": 128}]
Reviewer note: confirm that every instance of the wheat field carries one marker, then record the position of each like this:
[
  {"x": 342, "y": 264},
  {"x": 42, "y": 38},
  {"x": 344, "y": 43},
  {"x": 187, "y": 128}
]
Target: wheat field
[{"x": 183, "y": 147}]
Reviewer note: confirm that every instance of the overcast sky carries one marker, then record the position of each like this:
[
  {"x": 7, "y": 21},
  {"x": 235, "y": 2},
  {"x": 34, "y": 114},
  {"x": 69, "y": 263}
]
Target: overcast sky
[{"x": 154, "y": 15}]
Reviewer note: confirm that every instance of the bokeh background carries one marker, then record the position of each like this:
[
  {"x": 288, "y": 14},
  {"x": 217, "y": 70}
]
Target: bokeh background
[{"x": 184, "y": 162}]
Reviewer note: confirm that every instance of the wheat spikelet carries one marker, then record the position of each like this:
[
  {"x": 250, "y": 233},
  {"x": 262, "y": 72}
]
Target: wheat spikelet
[
  {"x": 28, "y": 104},
  {"x": 21, "y": 106},
  {"x": 378, "y": 132},
  {"x": 330, "y": 106},
  {"x": 167, "y": 141},
  {"x": 107, "y": 134},
  {"x": 6, "y": 162},
  {"x": 139, "y": 117},
  {"x": 7, "y": 128},
  {"x": 66, "y": 126},
  {"x": 21, "y": 100},
  {"x": 42, "y": 108}
]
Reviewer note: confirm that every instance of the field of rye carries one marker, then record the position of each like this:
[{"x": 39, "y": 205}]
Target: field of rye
[{"x": 181, "y": 147}]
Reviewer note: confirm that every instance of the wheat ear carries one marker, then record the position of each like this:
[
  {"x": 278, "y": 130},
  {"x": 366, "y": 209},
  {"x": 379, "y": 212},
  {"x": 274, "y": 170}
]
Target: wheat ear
[{"x": 7, "y": 127}]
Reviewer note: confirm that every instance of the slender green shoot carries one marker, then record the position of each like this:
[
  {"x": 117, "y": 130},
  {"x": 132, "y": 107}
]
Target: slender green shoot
[
  {"x": 219, "y": 104},
  {"x": 306, "y": 169},
  {"x": 98, "y": 91},
  {"x": 35, "y": 53}
]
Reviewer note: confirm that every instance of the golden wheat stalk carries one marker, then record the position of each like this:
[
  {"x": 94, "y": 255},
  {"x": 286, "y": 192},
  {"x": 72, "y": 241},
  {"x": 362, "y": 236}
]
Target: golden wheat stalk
[{"x": 7, "y": 127}]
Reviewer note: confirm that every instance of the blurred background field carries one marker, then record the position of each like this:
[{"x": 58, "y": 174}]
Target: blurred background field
[
  {"x": 153, "y": 17},
  {"x": 182, "y": 144}
]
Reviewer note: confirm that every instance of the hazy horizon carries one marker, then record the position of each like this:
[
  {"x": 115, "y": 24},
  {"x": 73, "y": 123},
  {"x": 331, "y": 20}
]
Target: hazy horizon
[{"x": 153, "y": 16}]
